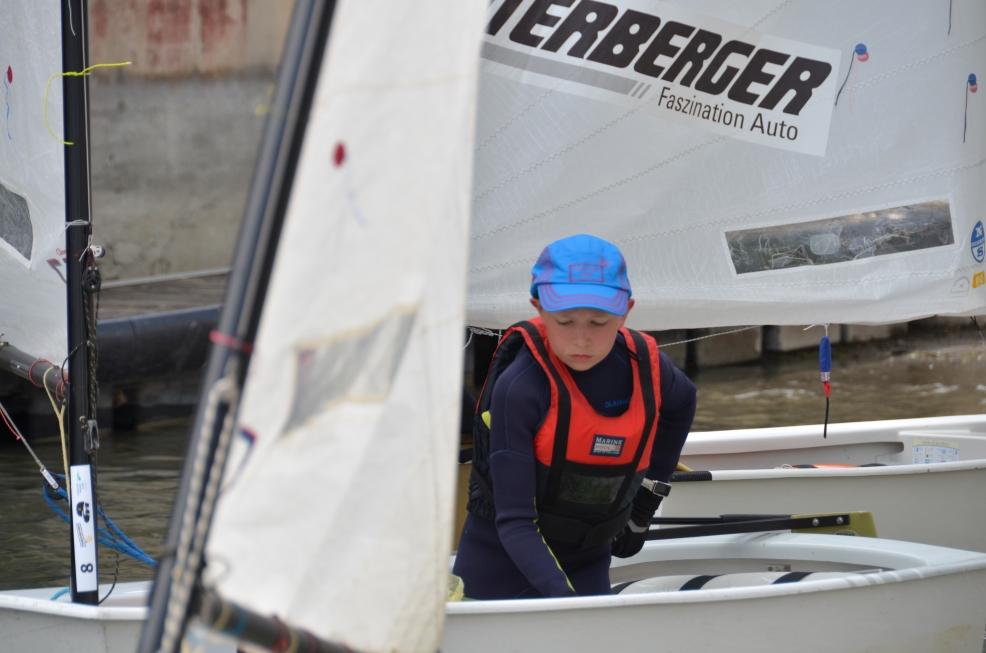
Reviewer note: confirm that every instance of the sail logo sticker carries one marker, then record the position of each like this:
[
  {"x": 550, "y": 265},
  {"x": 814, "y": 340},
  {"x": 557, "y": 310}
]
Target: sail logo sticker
[
  {"x": 960, "y": 286},
  {"x": 671, "y": 63},
  {"x": 607, "y": 445},
  {"x": 978, "y": 243}
]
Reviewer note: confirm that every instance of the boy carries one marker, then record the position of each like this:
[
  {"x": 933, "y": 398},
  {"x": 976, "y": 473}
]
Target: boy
[{"x": 578, "y": 429}]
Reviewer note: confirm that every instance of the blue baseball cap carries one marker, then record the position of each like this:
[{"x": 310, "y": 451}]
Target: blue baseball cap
[{"x": 581, "y": 271}]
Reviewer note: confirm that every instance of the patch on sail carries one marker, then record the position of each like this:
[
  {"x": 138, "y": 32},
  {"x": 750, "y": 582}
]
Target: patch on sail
[
  {"x": 15, "y": 222},
  {"x": 841, "y": 239},
  {"x": 357, "y": 365}
]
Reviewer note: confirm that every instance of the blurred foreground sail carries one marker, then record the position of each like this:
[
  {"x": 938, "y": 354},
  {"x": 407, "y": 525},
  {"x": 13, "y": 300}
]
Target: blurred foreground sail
[
  {"x": 337, "y": 518},
  {"x": 757, "y": 162}
]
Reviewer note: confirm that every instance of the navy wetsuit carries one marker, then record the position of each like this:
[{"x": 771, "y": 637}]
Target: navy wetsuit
[{"x": 510, "y": 558}]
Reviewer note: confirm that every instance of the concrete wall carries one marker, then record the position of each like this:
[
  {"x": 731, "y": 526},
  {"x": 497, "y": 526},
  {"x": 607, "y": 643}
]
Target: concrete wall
[
  {"x": 175, "y": 134},
  {"x": 172, "y": 161}
]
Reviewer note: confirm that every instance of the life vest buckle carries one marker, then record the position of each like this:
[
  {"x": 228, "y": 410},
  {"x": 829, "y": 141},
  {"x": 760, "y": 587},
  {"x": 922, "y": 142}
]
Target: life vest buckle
[{"x": 660, "y": 488}]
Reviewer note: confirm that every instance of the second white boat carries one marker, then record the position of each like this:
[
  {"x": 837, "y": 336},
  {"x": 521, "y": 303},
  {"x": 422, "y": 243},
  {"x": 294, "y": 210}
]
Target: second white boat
[{"x": 914, "y": 475}]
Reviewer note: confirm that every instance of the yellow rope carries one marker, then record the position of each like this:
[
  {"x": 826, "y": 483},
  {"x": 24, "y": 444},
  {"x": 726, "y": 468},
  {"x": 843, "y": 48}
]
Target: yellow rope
[
  {"x": 60, "y": 416},
  {"x": 70, "y": 73}
]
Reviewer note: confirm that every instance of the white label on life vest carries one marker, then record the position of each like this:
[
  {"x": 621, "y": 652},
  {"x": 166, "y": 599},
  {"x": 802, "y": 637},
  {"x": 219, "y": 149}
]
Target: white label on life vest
[
  {"x": 607, "y": 445},
  {"x": 83, "y": 529},
  {"x": 933, "y": 453}
]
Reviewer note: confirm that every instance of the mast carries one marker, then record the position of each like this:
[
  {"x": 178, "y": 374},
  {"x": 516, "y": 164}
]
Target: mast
[
  {"x": 170, "y": 606},
  {"x": 82, "y": 280}
]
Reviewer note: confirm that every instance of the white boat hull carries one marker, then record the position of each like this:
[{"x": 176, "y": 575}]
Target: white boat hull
[
  {"x": 924, "y": 502},
  {"x": 936, "y": 601},
  {"x": 929, "y": 599},
  {"x": 31, "y": 621}
]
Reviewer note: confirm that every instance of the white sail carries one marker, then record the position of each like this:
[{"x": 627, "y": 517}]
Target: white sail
[
  {"x": 340, "y": 519},
  {"x": 32, "y": 180},
  {"x": 729, "y": 209}
]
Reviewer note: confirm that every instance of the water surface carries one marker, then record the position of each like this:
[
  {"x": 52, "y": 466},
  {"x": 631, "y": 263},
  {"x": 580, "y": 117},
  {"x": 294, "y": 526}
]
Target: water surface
[{"x": 139, "y": 471}]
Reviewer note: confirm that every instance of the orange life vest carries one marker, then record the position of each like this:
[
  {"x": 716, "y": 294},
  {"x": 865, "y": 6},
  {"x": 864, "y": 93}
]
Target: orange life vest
[{"x": 589, "y": 465}]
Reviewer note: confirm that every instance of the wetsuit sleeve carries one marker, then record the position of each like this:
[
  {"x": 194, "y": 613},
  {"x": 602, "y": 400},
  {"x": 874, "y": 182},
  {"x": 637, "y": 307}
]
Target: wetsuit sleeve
[
  {"x": 678, "y": 401},
  {"x": 520, "y": 401}
]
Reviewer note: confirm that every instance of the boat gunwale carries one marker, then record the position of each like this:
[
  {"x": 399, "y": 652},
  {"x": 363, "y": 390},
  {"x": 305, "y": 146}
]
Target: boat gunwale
[
  {"x": 752, "y": 441},
  {"x": 769, "y": 438},
  {"x": 35, "y": 600},
  {"x": 802, "y": 472},
  {"x": 937, "y": 562},
  {"x": 12, "y": 602}
]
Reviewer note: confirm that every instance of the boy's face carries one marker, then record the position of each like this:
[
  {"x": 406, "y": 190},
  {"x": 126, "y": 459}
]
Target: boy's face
[{"x": 581, "y": 337}]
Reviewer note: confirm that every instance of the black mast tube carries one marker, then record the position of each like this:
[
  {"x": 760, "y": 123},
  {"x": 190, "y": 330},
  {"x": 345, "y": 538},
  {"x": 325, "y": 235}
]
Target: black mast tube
[
  {"x": 80, "y": 424},
  {"x": 256, "y": 247}
]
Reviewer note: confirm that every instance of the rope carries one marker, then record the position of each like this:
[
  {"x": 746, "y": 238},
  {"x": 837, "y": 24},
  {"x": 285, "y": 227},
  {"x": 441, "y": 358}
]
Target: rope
[
  {"x": 979, "y": 330},
  {"x": 59, "y": 417},
  {"x": 498, "y": 334},
  {"x": 90, "y": 305},
  {"x": 60, "y": 593},
  {"x": 9, "y": 421},
  {"x": 116, "y": 575},
  {"x": 81, "y": 73},
  {"x": 486, "y": 332},
  {"x": 852, "y": 57},
  {"x": 109, "y": 535},
  {"x": 709, "y": 335},
  {"x": 191, "y": 542},
  {"x": 482, "y": 332}
]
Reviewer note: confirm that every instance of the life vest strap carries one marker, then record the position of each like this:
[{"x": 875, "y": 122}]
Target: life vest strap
[
  {"x": 644, "y": 372},
  {"x": 564, "y": 405}
]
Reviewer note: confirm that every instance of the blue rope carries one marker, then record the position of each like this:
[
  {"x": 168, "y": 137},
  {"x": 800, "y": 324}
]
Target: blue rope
[
  {"x": 111, "y": 536},
  {"x": 60, "y": 593}
]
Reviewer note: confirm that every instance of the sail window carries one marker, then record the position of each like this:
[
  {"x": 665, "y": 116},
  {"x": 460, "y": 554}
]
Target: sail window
[
  {"x": 845, "y": 238},
  {"x": 355, "y": 366},
  {"x": 15, "y": 222}
]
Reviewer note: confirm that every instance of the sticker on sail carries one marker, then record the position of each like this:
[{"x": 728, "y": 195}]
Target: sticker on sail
[
  {"x": 842, "y": 239},
  {"x": 960, "y": 286},
  {"x": 933, "y": 452},
  {"x": 978, "y": 242},
  {"x": 672, "y": 63}
]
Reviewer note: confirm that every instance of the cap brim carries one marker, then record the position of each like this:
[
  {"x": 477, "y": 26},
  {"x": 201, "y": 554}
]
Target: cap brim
[{"x": 567, "y": 296}]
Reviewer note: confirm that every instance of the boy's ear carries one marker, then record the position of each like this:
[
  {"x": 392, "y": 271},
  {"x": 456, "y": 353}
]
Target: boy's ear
[{"x": 623, "y": 319}]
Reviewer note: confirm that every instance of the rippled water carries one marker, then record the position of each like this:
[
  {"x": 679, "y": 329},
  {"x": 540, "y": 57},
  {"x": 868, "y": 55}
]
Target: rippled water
[
  {"x": 890, "y": 380},
  {"x": 139, "y": 472},
  {"x": 138, "y": 477}
]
